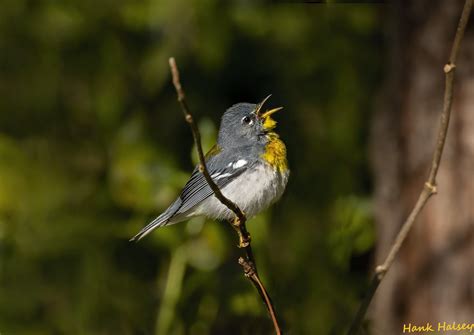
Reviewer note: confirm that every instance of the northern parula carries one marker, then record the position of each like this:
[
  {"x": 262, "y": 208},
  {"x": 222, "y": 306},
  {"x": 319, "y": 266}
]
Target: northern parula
[{"x": 248, "y": 164}]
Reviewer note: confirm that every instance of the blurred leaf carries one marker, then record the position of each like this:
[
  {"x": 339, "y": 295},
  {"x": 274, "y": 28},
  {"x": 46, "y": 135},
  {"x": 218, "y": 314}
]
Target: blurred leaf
[
  {"x": 353, "y": 232},
  {"x": 90, "y": 153}
]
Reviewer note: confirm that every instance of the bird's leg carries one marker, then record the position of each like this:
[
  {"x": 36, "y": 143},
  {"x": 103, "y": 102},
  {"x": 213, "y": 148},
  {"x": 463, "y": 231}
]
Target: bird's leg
[
  {"x": 244, "y": 236},
  {"x": 249, "y": 266}
]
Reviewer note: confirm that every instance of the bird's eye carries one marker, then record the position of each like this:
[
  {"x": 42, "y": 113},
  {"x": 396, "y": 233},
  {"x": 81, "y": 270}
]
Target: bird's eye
[{"x": 247, "y": 120}]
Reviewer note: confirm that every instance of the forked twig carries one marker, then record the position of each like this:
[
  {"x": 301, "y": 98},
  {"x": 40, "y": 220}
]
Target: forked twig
[
  {"x": 430, "y": 187},
  {"x": 249, "y": 266}
]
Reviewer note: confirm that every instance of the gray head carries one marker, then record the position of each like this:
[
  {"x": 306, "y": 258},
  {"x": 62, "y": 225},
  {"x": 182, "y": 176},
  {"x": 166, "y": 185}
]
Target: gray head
[{"x": 245, "y": 124}]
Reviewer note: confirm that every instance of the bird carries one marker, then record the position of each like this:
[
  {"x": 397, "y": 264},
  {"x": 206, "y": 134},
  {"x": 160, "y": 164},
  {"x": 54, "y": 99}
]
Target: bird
[{"x": 248, "y": 164}]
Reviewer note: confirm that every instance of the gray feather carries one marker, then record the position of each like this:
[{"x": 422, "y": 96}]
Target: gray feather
[
  {"x": 239, "y": 141},
  {"x": 195, "y": 191}
]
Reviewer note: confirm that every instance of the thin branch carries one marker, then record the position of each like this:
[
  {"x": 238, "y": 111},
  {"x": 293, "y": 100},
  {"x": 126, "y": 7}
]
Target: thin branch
[
  {"x": 251, "y": 273},
  {"x": 249, "y": 265},
  {"x": 197, "y": 140},
  {"x": 430, "y": 187}
]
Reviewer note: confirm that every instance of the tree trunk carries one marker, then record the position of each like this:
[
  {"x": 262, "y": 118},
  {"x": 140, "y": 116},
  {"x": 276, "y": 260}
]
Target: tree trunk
[{"x": 432, "y": 279}]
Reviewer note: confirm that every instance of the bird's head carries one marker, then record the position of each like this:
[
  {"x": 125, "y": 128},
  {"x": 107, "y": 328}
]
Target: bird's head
[{"x": 245, "y": 123}]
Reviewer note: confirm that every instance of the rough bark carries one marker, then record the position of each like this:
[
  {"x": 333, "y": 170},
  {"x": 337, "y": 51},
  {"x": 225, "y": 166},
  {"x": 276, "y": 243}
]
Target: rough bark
[{"x": 432, "y": 279}]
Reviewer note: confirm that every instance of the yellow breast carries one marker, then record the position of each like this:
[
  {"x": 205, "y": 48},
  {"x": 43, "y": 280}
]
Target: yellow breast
[{"x": 275, "y": 153}]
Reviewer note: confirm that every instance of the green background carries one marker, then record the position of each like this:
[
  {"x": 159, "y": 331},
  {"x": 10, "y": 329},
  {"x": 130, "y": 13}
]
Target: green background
[{"x": 93, "y": 145}]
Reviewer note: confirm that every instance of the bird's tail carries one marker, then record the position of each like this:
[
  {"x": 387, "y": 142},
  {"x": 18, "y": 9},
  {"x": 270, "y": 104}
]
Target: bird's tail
[{"x": 160, "y": 221}]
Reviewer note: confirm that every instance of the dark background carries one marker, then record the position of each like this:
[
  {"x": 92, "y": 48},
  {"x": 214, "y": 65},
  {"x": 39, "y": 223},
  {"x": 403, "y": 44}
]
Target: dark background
[{"x": 93, "y": 146}]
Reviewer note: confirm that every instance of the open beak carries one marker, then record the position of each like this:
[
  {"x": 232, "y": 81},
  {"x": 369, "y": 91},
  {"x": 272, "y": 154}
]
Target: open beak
[
  {"x": 267, "y": 113},
  {"x": 267, "y": 122}
]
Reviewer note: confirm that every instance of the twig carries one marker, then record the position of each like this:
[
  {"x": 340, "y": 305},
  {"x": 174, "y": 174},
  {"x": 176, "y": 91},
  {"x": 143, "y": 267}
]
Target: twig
[
  {"x": 430, "y": 187},
  {"x": 249, "y": 266}
]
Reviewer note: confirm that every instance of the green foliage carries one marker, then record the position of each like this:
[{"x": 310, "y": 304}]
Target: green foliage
[{"x": 93, "y": 146}]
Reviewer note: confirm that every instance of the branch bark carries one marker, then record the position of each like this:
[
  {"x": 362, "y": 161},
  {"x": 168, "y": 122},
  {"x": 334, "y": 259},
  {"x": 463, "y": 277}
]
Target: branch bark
[
  {"x": 249, "y": 265},
  {"x": 430, "y": 187}
]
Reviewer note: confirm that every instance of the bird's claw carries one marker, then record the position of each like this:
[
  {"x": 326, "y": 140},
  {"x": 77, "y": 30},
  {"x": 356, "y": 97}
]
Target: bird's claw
[{"x": 244, "y": 236}]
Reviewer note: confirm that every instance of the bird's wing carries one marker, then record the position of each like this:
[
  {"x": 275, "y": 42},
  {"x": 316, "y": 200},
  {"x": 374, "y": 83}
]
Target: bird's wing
[
  {"x": 222, "y": 170},
  {"x": 197, "y": 189}
]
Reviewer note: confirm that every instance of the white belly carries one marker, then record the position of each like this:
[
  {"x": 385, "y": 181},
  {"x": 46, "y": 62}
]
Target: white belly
[{"x": 253, "y": 191}]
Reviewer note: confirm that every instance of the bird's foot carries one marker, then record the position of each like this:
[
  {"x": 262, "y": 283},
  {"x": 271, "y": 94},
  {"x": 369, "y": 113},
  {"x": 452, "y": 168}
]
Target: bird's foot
[{"x": 244, "y": 236}]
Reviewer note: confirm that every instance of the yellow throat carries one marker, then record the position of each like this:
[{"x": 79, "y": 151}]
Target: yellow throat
[
  {"x": 275, "y": 149},
  {"x": 275, "y": 152}
]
